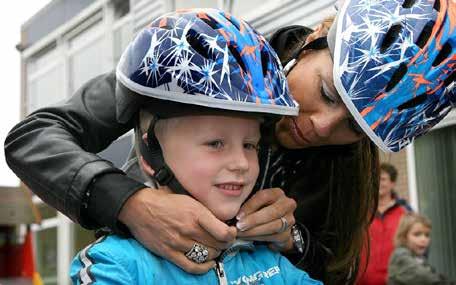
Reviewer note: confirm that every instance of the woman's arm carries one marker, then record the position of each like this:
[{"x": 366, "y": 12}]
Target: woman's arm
[{"x": 52, "y": 152}]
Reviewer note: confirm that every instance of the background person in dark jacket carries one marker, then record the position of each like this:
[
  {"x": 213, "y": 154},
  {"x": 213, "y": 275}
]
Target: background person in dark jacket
[
  {"x": 383, "y": 228},
  {"x": 408, "y": 264}
]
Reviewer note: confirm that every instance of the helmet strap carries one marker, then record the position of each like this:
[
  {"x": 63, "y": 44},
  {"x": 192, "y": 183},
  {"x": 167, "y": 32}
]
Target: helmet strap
[{"x": 153, "y": 155}]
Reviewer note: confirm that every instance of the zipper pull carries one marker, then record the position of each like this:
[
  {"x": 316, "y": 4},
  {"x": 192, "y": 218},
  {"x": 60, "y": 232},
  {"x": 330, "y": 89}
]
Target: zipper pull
[{"x": 220, "y": 273}]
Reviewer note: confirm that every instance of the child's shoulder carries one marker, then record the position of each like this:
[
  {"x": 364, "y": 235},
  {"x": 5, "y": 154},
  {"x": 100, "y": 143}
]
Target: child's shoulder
[
  {"x": 116, "y": 247},
  {"x": 401, "y": 251}
]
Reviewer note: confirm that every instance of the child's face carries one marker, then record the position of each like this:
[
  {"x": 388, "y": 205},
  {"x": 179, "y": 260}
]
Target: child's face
[
  {"x": 418, "y": 238},
  {"x": 215, "y": 159}
]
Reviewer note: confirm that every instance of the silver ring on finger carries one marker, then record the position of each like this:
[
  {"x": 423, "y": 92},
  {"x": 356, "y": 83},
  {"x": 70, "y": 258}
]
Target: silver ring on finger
[
  {"x": 198, "y": 253},
  {"x": 284, "y": 225}
]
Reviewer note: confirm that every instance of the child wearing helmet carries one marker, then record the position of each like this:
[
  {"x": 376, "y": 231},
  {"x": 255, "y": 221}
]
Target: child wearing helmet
[{"x": 200, "y": 133}]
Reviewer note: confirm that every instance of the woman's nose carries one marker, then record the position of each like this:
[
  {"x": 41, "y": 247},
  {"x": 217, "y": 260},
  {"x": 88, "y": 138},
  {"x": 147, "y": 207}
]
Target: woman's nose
[{"x": 327, "y": 120}]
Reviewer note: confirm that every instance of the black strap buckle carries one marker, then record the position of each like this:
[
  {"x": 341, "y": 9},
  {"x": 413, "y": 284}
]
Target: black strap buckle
[{"x": 164, "y": 175}]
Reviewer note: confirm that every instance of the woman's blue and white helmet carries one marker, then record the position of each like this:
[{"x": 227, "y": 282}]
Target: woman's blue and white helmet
[
  {"x": 394, "y": 65},
  {"x": 208, "y": 58}
]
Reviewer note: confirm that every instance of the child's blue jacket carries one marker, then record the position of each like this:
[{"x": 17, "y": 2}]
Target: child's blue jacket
[{"x": 116, "y": 260}]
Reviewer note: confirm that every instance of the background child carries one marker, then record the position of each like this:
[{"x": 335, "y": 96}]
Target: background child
[
  {"x": 408, "y": 264},
  {"x": 199, "y": 134}
]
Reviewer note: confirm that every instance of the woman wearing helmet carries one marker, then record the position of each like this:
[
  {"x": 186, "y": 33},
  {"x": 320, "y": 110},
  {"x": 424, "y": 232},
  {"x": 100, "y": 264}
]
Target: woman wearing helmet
[{"x": 338, "y": 172}]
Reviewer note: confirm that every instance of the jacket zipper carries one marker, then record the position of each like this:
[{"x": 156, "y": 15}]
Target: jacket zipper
[{"x": 220, "y": 273}]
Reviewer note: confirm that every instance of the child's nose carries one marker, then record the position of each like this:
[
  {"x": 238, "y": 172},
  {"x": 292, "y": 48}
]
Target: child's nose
[{"x": 239, "y": 160}]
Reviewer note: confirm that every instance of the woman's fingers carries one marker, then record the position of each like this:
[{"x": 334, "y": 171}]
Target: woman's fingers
[
  {"x": 169, "y": 225},
  {"x": 183, "y": 262},
  {"x": 271, "y": 228},
  {"x": 259, "y": 200},
  {"x": 268, "y": 216},
  {"x": 264, "y": 207},
  {"x": 186, "y": 246},
  {"x": 218, "y": 234}
]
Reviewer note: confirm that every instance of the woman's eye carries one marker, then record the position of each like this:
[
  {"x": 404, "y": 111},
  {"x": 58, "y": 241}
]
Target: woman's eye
[
  {"x": 328, "y": 99},
  {"x": 251, "y": 146},
  {"x": 215, "y": 144}
]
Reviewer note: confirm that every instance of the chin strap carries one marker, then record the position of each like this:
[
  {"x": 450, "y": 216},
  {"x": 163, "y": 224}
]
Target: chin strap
[{"x": 152, "y": 153}]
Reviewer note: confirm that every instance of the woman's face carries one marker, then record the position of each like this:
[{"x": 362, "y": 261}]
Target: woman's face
[{"x": 323, "y": 118}]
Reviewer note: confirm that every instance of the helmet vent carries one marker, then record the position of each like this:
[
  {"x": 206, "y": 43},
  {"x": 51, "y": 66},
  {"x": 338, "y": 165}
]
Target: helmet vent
[
  {"x": 231, "y": 21},
  {"x": 390, "y": 37},
  {"x": 397, "y": 76},
  {"x": 264, "y": 62},
  {"x": 412, "y": 103},
  {"x": 437, "y": 5},
  {"x": 425, "y": 34},
  {"x": 443, "y": 54},
  {"x": 210, "y": 22},
  {"x": 195, "y": 42},
  {"x": 237, "y": 56},
  {"x": 450, "y": 79},
  {"x": 408, "y": 3}
]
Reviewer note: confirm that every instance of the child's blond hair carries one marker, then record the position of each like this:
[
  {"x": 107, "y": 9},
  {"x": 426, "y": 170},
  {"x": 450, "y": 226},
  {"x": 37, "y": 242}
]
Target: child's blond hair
[{"x": 406, "y": 223}]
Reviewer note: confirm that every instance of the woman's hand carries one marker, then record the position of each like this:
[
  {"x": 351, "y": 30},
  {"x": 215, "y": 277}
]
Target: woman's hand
[
  {"x": 260, "y": 218},
  {"x": 169, "y": 225}
]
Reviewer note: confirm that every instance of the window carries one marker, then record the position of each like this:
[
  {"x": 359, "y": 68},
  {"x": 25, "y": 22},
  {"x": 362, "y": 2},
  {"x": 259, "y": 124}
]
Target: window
[
  {"x": 89, "y": 55},
  {"x": 87, "y": 63},
  {"x": 45, "y": 87},
  {"x": 123, "y": 34}
]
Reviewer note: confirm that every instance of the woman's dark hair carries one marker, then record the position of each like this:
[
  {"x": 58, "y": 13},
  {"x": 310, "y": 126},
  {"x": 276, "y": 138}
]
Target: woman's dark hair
[{"x": 337, "y": 187}]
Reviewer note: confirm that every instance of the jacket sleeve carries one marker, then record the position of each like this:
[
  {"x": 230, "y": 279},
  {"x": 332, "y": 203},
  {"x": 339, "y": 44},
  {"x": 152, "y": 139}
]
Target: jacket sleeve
[
  {"x": 52, "y": 152},
  {"x": 405, "y": 269},
  {"x": 100, "y": 267}
]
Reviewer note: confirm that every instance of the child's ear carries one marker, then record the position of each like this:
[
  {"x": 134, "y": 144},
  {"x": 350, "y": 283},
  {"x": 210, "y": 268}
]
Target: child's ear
[{"x": 144, "y": 165}]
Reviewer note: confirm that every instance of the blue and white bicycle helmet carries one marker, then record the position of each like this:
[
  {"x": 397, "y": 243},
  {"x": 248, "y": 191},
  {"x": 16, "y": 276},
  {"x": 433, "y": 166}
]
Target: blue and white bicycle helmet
[
  {"x": 394, "y": 65},
  {"x": 204, "y": 57}
]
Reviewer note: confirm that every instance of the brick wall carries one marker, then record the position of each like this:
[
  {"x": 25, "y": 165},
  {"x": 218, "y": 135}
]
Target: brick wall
[{"x": 399, "y": 160}]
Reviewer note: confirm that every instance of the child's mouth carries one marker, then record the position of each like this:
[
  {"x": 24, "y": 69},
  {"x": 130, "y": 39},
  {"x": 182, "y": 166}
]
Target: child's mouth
[{"x": 230, "y": 189}]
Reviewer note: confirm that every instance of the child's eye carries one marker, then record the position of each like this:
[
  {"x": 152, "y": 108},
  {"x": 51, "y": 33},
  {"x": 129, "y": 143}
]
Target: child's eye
[
  {"x": 215, "y": 144},
  {"x": 251, "y": 146}
]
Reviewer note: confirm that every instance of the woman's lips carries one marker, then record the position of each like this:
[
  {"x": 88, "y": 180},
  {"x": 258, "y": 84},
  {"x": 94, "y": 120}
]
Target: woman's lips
[
  {"x": 230, "y": 189},
  {"x": 296, "y": 132}
]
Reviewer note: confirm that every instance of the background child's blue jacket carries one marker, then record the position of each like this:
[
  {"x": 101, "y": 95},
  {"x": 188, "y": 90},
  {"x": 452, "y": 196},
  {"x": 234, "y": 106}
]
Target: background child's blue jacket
[{"x": 116, "y": 260}]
